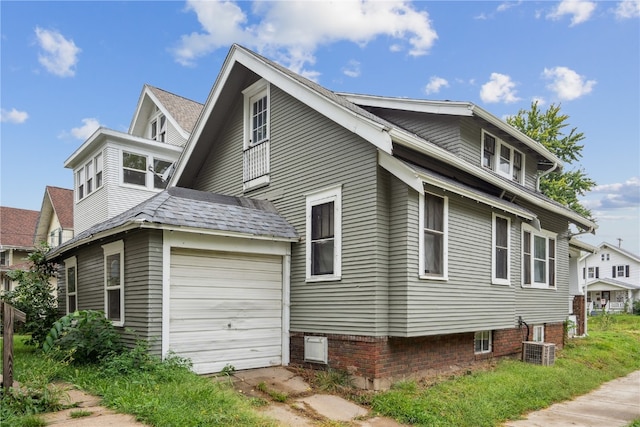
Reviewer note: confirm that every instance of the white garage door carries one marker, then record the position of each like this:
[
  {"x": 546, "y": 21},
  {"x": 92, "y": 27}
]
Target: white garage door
[{"x": 226, "y": 309}]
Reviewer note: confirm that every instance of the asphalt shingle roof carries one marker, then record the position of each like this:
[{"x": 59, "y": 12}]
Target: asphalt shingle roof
[
  {"x": 62, "y": 201},
  {"x": 185, "y": 111},
  {"x": 182, "y": 207},
  {"x": 17, "y": 227}
]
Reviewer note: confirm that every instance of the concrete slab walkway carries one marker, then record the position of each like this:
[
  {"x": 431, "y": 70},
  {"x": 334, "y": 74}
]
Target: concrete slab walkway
[{"x": 614, "y": 404}]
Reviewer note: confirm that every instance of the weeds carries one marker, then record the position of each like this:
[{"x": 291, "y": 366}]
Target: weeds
[
  {"x": 333, "y": 380},
  {"x": 274, "y": 394},
  {"x": 80, "y": 414}
]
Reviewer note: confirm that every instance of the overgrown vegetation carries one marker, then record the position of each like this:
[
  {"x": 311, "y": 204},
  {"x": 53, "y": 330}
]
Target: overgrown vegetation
[
  {"x": 34, "y": 296},
  {"x": 165, "y": 393},
  {"x": 489, "y": 398}
]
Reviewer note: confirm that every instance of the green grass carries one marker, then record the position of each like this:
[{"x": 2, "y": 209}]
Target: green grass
[
  {"x": 489, "y": 398},
  {"x": 168, "y": 394}
]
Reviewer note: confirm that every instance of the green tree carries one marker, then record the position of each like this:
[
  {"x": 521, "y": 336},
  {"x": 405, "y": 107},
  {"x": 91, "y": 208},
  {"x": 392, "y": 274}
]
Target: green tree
[
  {"x": 34, "y": 295},
  {"x": 548, "y": 127}
]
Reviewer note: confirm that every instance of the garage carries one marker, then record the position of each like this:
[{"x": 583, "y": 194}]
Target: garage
[{"x": 226, "y": 308}]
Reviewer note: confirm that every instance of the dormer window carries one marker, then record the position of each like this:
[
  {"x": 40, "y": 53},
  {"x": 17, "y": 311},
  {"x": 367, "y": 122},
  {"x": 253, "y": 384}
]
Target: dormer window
[
  {"x": 159, "y": 128},
  {"x": 502, "y": 158}
]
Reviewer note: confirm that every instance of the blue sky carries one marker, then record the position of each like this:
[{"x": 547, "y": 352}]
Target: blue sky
[{"x": 69, "y": 67}]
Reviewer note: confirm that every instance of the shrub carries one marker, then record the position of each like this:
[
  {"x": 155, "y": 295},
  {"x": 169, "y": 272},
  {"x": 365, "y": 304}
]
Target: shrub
[
  {"x": 34, "y": 296},
  {"x": 87, "y": 335},
  {"x": 636, "y": 307}
]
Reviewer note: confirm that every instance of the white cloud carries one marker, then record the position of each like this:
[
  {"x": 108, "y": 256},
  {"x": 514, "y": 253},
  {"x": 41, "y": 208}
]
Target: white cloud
[
  {"x": 59, "y": 55},
  {"x": 292, "y": 31},
  {"x": 567, "y": 84},
  {"x": 580, "y": 11},
  {"x": 499, "y": 88},
  {"x": 352, "y": 69},
  {"x": 508, "y": 5},
  {"x": 617, "y": 195},
  {"x": 435, "y": 84},
  {"x": 89, "y": 126},
  {"x": 628, "y": 9},
  {"x": 13, "y": 116}
]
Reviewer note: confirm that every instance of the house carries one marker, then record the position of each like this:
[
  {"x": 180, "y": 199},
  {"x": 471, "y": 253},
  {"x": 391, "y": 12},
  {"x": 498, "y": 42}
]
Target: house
[
  {"x": 577, "y": 304},
  {"x": 114, "y": 171},
  {"x": 419, "y": 240},
  {"x": 17, "y": 230},
  {"x": 611, "y": 277},
  {"x": 55, "y": 222}
]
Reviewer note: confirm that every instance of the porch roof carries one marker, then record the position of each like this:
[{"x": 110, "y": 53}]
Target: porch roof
[{"x": 611, "y": 283}]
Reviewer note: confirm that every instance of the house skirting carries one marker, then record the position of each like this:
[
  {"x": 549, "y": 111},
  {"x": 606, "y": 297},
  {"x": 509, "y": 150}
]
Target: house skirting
[{"x": 376, "y": 362}]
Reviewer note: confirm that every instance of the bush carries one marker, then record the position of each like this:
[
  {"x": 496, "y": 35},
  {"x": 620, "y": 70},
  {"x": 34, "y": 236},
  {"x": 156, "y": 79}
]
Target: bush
[
  {"x": 636, "y": 307},
  {"x": 87, "y": 335},
  {"x": 34, "y": 296}
]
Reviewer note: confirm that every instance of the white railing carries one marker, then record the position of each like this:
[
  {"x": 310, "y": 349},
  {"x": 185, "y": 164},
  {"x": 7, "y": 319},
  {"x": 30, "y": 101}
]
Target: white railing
[{"x": 256, "y": 162}]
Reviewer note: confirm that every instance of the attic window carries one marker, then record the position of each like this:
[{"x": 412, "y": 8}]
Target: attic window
[
  {"x": 159, "y": 128},
  {"x": 500, "y": 157},
  {"x": 256, "y": 154}
]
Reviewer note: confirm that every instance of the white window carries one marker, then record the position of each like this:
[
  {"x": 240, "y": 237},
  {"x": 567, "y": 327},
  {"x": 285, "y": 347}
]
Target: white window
[
  {"x": 134, "y": 169},
  {"x": 324, "y": 235},
  {"x": 593, "y": 272},
  {"x": 158, "y": 127},
  {"x": 71, "y": 275},
  {"x": 501, "y": 252},
  {"x": 433, "y": 236},
  {"x": 500, "y": 157},
  {"x": 538, "y": 258},
  {"x": 538, "y": 333},
  {"x": 55, "y": 237},
  {"x": 160, "y": 167},
  {"x": 256, "y": 156},
  {"x": 89, "y": 177},
  {"x": 620, "y": 271},
  {"x": 114, "y": 282},
  {"x": 482, "y": 342}
]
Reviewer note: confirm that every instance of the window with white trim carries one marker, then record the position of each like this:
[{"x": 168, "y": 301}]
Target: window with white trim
[
  {"x": 114, "y": 282},
  {"x": 620, "y": 271},
  {"x": 256, "y": 154},
  {"x": 160, "y": 167},
  {"x": 538, "y": 333},
  {"x": 538, "y": 258},
  {"x": 71, "y": 275},
  {"x": 158, "y": 127},
  {"x": 500, "y": 261},
  {"x": 134, "y": 169},
  {"x": 433, "y": 236},
  {"x": 593, "y": 272},
  {"x": 502, "y": 158},
  {"x": 324, "y": 235},
  {"x": 89, "y": 177},
  {"x": 482, "y": 342}
]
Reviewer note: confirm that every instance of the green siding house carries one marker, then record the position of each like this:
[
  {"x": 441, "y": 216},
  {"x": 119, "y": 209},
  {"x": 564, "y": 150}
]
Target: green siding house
[{"x": 418, "y": 239}]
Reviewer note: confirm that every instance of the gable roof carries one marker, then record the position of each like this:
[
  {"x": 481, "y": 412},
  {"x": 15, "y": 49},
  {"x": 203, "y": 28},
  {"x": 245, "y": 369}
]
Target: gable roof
[
  {"x": 180, "y": 111},
  {"x": 379, "y": 132},
  {"x": 621, "y": 251},
  {"x": 613, "y": 282},
  {"x": 17, "y": 227},
  {"x": 59, "y": 202},
  {"x": 193, "y": 211}
]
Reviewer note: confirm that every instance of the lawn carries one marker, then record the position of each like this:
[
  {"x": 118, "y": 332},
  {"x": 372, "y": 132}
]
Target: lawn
[{"x": 168, "y": 394}]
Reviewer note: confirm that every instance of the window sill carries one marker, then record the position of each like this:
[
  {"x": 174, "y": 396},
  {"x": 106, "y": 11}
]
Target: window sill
[
  {"x": 437, "y": 278},
  {"x": 256, "y": 183},
  {"x": 539, "y": 286},
  {"x": 327, "y": 278},
  {"x": 501, "y": 282}
]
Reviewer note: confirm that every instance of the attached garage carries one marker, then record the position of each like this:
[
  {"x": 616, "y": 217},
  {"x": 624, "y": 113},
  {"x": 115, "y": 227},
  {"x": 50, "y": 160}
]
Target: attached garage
[{"x": 226, "y": 308}]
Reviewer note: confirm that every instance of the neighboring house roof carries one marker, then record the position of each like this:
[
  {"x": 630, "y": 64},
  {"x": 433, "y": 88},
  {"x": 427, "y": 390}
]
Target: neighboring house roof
[
  {"x": 185, "y": 111},
  {"x": 379, "y": 132},
  {"x": 59, "y": 202},
  {"x": 579, "y": 244},
  {"x": 613, "y": 282},
  {"x": 621, "y": 251},
  {"x": 17, "y": 227},
  {"x": 194, "y": 211}
]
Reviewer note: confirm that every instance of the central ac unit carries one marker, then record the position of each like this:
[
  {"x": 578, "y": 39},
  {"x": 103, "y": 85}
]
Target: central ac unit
[{"x": 540, "y": 353}]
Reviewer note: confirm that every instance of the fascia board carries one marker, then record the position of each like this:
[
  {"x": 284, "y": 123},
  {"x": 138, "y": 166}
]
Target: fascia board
[
  {"x": 418, "y": 144},
  {"x": 136, "y": 114},
  {"x": 103, "y": 135},
  {"x": 415, "y": 180}
]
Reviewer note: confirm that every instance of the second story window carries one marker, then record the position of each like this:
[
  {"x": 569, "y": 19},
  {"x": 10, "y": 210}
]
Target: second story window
[
  {"x": 160, "y": 167},
  {"x": 501, "y": 259},
  {"x": 159, "y": 128},
  {"x": 256, "y": 154},
  {"x": 134, "y": 169},
  {"x": 500, "y": 157},
  {"x": 89, "y": 177}
]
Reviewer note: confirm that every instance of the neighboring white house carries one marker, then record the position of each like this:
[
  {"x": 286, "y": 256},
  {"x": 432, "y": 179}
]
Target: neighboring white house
[
  {"x": 612, "y": 278},
  {"x": 114, "y": 171}
]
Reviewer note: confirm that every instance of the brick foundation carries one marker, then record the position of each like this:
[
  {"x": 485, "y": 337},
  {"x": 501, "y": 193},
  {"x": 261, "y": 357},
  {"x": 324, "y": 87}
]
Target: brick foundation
[
  {"x": 375, "y": 362},
  {"x": 579, "y": 312}
]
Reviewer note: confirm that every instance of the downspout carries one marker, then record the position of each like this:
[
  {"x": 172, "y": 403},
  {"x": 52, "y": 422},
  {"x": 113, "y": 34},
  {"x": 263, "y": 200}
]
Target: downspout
[{"x": 545, "y": 173}]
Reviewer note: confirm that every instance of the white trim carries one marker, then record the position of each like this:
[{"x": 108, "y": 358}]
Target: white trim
[
  {"x": 333, "y": 194},
  {"x": 499, "y": 143},
  {"x": 259, "y": 89},
  {"x": 445, "y": 238},
  {"x": 546, "y": 235},
  {"x": 538, "y": 333},
  {"x": 494, "y": 279},
  {"x": 69, "y": 263},
  {"x": 489, "y": 342},
  {"x": 114, "y": 248}
]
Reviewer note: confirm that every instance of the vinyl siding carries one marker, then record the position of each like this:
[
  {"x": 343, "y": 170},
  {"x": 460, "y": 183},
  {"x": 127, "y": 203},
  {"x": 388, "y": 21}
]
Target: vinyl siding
[
  {"x": 310, "y": 153},
  {"x": 142, "y": 281}
]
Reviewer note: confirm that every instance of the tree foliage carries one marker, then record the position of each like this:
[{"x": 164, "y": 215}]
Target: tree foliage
[
  {"x": 34, "y": 295},
  {"x": 549, "y": 128}
]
